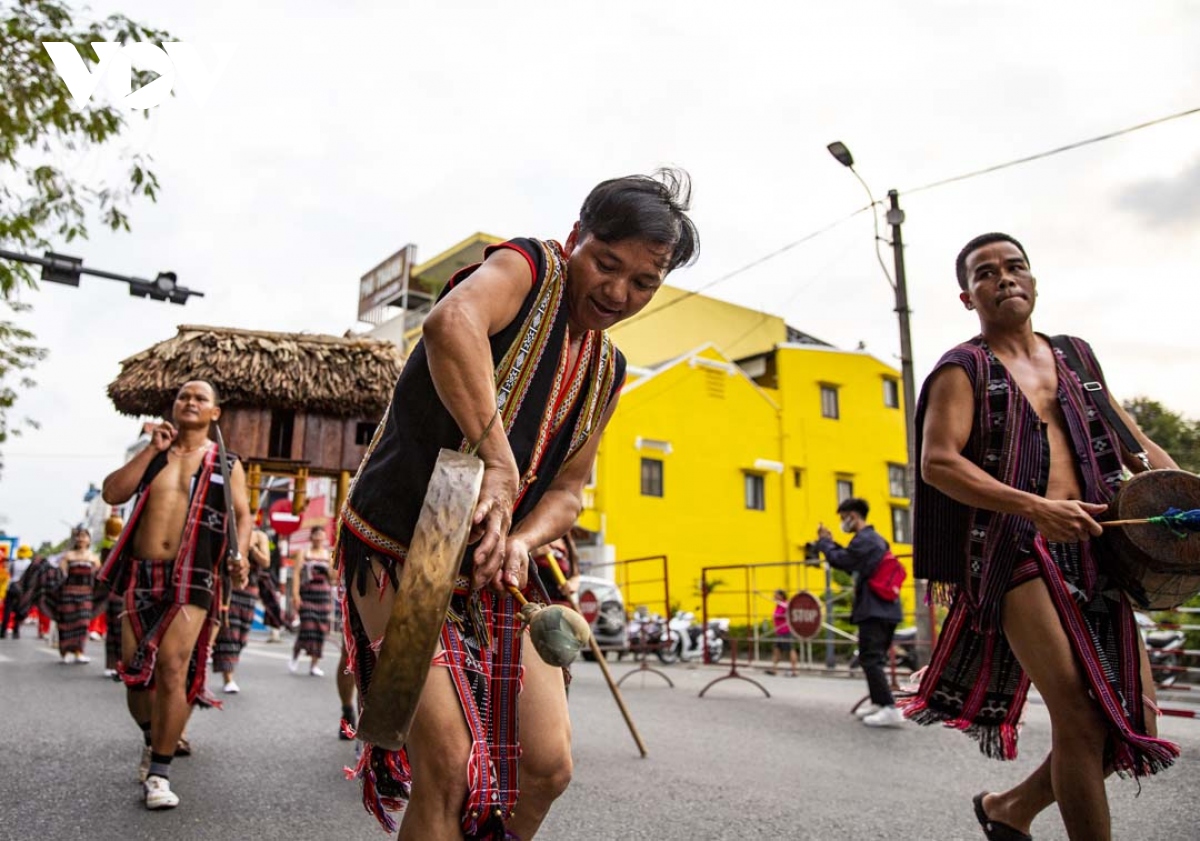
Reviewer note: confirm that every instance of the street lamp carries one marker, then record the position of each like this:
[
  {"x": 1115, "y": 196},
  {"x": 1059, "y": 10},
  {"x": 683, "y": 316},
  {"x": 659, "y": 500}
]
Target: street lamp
[{"x": 895, "y": 218}]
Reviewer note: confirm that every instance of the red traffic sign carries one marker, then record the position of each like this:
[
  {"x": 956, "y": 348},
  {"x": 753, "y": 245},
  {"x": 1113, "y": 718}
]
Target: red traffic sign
[
  {"x": 283, "y": 521},
  {"x": 804, "y": 615},
  {"x": 589, "y": 606}
]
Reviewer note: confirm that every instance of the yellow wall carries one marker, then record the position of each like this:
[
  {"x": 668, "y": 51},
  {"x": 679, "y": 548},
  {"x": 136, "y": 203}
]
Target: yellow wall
[
  {"x": 689, "y": 321},
  {"x": 718, "y": 424}
]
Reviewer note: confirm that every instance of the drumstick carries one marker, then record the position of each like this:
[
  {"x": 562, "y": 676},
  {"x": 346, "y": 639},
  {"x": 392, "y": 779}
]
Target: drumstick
[
  {"x": 599, "y": 655},
  {"x": 1172, "y": 518}
]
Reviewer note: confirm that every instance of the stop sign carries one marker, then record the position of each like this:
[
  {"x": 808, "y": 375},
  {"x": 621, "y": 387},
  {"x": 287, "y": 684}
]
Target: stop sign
[
  {"x": 589, "y": 606},
  {"x": 282, "y": 519},
  {"x": 804, "y": 615}
]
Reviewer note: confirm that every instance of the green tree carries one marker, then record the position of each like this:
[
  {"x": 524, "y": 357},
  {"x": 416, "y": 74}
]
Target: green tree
[
  {"x": 40, "y": 126},
  {"x": 1170, "y": 430}
]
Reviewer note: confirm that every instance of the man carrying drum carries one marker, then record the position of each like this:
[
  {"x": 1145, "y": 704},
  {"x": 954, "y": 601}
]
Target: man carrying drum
[{"x": 1015, "y": 465}]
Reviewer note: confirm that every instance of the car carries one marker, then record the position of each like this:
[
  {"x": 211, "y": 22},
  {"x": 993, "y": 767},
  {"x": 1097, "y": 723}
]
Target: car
[{"x": 610, "y": 628}]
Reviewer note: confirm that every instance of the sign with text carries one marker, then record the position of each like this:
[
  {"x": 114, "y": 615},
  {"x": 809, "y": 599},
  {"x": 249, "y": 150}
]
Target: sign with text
[
  {"x": 804, "y": 615},
  {"x": 384, "y": 284}
]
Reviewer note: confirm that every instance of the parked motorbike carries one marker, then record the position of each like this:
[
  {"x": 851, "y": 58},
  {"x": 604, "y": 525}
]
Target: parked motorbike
[
  {"x": 647, "y": 633},
  {"x": 688, "y": 639},
  {"x": 1165, "y": 649}
]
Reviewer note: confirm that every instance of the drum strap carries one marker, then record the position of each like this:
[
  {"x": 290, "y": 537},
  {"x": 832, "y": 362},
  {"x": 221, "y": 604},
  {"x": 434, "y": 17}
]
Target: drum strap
[{"x": 1098, "y": 395}]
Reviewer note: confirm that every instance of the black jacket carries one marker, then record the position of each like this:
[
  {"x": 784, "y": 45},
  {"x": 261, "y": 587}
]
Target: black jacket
[{"x": 862, "y": 558}]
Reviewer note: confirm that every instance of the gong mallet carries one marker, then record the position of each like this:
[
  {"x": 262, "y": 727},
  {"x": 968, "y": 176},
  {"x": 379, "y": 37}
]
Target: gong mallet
[
  {"x": 557, "y": 634},
  {"x": 599, "y": 655}
]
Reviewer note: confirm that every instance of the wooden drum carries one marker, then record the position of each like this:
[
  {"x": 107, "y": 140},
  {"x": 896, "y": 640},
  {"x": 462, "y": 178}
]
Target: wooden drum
[{"x": 1158, "y": 569}]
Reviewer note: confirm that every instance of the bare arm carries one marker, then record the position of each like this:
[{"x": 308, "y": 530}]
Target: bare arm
[
  {"x": 122, "y": 483},
  {"x": 949, "y": 418},
  {"x": 260, "y": 549},
  {"x": 554, "y": 513},
  {"x": 460, "y": 364}
]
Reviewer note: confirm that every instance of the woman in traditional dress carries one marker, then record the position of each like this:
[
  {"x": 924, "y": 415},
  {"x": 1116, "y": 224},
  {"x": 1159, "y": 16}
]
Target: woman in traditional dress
[
  {"x": 74, "y": 603},
  {"x": 312, "y": 592}
]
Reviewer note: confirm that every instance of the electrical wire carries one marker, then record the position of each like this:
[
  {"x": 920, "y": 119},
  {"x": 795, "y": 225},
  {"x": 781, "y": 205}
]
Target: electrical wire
[
  {"x": 1049, "y": 152},
  {"x": 692, "y": 292}
]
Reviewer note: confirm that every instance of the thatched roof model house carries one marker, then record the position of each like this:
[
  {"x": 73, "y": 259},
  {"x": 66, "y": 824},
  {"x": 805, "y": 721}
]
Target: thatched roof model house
[{"x": 292, "y": 403}]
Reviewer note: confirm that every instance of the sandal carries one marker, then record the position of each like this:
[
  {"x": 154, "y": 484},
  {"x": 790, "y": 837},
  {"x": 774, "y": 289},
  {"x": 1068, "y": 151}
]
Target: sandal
[{"x": 994, "y": 830}]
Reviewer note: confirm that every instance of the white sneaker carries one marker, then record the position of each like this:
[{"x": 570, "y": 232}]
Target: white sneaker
[
  {"x": 869, "y": 709},
  {"x": 232, "y": 688},
  {"x": 110, "y": 672},
  {"x": 316, "y": 671},
  {"x": 158, "y": 794},
  {"x": 273, "y": 636},
  {"x": 144, "y": 766},
  {"x": 886, "y": 717},
  {"x": 94, "y": 636},
  {"x": 294, "y": 664},
  {"x": 82, "y": 658}
]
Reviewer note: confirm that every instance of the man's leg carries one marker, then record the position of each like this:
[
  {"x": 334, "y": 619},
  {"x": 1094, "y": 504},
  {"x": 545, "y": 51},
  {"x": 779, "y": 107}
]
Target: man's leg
[
  {"x": 545, "y": 767},
  {"x": 171, "y": 708},
  {"x": 1020, "y": 805},
  {"x": 345, "y": 688},
  {"x": 1073, "y": 774},
  {"x": 139, "y": 701},
  {"x": 874, "y": 640},
  {"x": 439, "y": 744}
]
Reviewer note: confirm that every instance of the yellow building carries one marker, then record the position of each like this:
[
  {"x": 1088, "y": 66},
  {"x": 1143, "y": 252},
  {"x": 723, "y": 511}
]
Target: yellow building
[{"x": 716, "y": 461}]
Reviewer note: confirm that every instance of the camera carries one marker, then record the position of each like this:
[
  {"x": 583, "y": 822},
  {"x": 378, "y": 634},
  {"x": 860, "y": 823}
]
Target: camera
[{"x": 812, "y": 555}]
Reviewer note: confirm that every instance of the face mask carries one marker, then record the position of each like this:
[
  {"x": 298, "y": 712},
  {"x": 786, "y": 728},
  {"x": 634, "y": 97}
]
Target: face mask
[{"x": 847, "y": 525}]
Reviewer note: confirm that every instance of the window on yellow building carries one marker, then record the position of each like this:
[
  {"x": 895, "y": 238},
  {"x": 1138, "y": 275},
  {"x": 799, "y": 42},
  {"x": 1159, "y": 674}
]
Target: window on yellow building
[
  {"x": 652, "y": 477},
  {"x": 891, "y": 393},
  {"x": 829, "y": 401},
  {"x": 797, "y": 477},
  {"x": 845, "y": 490},
  {"x": 901, "y": 532},
  {"x": 756, "y": 494},
  {"x": 897, "y": 480}
]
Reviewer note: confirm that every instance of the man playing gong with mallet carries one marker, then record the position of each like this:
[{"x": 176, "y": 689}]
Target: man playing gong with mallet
[{"x": 514, "y": 364}]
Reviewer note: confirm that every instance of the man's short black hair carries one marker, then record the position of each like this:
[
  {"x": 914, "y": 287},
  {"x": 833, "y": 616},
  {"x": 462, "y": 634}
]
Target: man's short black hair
[
  {"x": 960, "y": 265},
  {"x": 856, "y": 505},
  {"x": 644, "y": 207}
]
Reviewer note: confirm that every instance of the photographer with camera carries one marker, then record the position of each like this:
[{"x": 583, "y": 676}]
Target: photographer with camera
[{"x": 875, "y": 617}]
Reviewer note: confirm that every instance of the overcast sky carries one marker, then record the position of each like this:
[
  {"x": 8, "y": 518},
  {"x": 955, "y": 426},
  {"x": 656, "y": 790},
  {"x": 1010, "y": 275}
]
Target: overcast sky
[{"x": 336, "y": 133}]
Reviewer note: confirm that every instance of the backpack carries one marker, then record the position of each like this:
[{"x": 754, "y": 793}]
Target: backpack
[{"x": 887, "y": 578}]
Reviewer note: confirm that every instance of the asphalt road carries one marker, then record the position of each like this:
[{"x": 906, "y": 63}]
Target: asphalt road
[{"x": 731, "y": 765}]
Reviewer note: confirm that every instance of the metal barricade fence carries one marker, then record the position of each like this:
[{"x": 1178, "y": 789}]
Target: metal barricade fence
[
  {"x": 1174, "y": 666},
  {"x": 644, "y": 587}
]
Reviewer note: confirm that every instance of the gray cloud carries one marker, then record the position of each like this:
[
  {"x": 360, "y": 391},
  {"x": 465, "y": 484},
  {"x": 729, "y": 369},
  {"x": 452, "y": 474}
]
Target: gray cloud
[{"x": 1165, "y": 202}]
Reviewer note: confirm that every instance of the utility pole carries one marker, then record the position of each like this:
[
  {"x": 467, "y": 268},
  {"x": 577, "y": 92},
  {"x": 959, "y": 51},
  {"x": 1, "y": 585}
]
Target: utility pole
[{"x": 895, "y": 218}]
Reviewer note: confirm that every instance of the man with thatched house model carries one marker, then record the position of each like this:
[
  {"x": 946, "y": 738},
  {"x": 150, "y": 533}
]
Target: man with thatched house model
[
  {"x": 168, "y": 562},
  {"x": 514, "y": 364}
]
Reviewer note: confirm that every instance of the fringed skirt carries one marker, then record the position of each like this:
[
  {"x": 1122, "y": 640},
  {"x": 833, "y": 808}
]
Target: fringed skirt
[
  {"x": 481, "y": 647},
  {"x": 74, "y": 608},
  {"x": 235, "y": 630},
  {"x": 976, "y": 685},
  {"x": 316, "y": 616},
  {"x": 151, "y": 607}
]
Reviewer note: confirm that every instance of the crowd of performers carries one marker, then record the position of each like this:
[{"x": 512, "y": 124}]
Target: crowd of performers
[{"x": 515, "y": 365}]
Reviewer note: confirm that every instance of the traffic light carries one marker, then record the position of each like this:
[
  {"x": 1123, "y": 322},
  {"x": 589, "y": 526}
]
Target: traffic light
[
  {"x": 162, "y": 288},
  {"x": 59, "y": 268}
]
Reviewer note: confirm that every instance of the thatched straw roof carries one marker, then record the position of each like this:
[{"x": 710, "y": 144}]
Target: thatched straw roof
[{"x": 342, "y": 377}]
